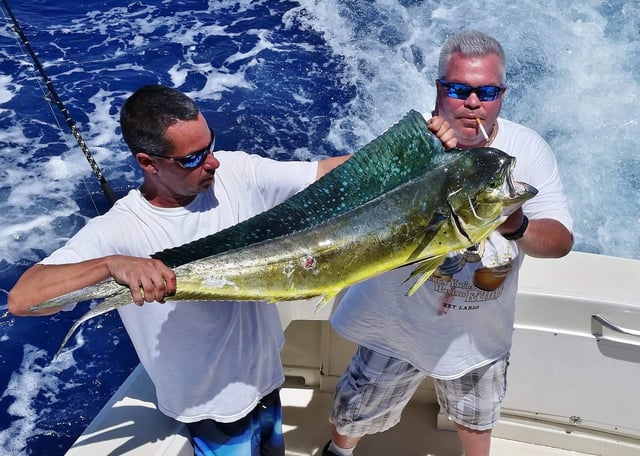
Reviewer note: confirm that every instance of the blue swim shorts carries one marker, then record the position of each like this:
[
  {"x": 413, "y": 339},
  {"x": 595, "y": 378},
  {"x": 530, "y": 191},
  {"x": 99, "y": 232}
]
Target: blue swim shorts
[{"x": 257, "y": 434}]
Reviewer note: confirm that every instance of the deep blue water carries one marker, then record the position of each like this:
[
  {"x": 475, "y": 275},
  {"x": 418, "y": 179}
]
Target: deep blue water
[{"x": 287, "y": 79}]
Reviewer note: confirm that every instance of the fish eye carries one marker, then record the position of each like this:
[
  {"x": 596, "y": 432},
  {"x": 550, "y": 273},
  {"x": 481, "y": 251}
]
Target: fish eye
[{"x": 494, "y": 184}]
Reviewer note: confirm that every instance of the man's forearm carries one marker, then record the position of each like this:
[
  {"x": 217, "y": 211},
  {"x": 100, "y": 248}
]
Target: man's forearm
[
  {"x": 546, "y": 238},
  {"x": 43, "y": 282}
]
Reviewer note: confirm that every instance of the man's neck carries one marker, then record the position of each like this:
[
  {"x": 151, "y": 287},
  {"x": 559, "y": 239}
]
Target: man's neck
[{"x": 158, "y": 199}]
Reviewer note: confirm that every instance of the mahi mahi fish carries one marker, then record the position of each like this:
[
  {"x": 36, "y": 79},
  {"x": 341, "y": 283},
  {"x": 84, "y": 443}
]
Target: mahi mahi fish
[{"x": 453, "y": 206}]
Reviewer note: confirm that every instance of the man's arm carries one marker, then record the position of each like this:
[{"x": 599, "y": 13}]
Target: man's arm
[
  {"x": 543, "y": 238},
  {"x": 148, "y": 280},
  {"x": 326, "y": 165}
]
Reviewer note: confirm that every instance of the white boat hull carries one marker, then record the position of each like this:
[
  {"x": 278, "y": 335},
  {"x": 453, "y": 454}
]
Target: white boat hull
[{"x": 571, "y": 380}]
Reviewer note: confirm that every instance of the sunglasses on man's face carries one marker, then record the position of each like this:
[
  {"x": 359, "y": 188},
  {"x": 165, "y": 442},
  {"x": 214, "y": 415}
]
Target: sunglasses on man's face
[
  {"x": 461, "y": 91},
  {"x": 195, "y": 159}
]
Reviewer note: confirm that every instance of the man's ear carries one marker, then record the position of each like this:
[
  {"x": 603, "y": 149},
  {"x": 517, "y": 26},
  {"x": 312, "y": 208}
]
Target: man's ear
[{"x": 146, "y": 162}]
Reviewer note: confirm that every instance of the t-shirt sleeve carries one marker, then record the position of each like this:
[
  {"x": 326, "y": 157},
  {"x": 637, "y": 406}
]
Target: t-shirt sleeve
[
  {"x": 91, "y": 241},
  {"x": 275, "y": 181},
  {"x": 550, "y": 202},
  {"x": 536, "y": 165}
]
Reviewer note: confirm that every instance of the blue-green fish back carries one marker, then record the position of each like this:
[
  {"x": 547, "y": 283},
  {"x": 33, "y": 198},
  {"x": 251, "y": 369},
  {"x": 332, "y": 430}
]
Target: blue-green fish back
[{"x": 405, "y": 151}]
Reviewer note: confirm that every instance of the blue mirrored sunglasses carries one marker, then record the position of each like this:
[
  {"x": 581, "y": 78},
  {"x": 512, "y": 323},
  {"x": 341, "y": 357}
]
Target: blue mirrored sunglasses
[
  {"x": 463, "y": 91},
  {"x": 195, "y": 159}
]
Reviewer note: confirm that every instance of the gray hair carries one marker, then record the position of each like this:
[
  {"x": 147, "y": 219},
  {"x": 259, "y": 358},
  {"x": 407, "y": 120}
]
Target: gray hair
[{"x": 471, "y": 43}]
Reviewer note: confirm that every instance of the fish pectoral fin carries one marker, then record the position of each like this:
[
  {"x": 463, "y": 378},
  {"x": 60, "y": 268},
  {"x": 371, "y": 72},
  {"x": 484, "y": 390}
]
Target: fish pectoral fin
[
  {"x": 117, "y": 300},
  {"x": 325, "y": 298},
  {"x": 426, "y": 268}
]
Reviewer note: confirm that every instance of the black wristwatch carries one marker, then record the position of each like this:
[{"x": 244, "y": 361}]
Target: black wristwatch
[{"x": 517, "y": 234}]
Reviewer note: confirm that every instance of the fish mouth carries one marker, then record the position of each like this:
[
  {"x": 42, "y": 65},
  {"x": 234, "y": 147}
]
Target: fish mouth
[{"x": 518, "y": 192}]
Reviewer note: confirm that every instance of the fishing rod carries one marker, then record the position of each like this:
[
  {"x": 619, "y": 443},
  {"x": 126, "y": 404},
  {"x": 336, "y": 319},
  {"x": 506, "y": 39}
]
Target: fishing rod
[{"x": 106, "y": 188}]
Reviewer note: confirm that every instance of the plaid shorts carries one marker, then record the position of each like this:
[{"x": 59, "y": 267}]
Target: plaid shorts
[{"x": 375, "y": 388}]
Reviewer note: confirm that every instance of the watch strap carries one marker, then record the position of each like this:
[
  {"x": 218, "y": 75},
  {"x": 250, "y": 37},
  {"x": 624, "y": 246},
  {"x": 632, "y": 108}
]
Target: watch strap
[{"x": 517, "y": 234}]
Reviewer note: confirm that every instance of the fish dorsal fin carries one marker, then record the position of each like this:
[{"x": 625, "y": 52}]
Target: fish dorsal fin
[
  {"x": 405, "y": 151},
  {"x": 426, "y": 268}
]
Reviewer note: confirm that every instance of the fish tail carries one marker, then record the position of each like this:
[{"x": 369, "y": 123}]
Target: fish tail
[{"x": 117, "y": 300}]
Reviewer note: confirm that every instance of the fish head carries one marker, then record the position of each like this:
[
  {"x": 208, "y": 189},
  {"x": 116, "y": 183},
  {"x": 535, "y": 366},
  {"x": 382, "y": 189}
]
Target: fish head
[{"x": 483, "y": 192}]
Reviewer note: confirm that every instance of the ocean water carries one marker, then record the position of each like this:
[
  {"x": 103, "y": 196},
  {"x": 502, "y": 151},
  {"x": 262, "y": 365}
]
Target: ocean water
[{"x": 287, "y": 79}]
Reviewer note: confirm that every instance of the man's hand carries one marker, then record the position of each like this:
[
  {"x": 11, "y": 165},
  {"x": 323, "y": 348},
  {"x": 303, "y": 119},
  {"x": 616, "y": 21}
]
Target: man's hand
[
  {"x": 148, "y": 279},
  {"x": 443, "y": 131}
]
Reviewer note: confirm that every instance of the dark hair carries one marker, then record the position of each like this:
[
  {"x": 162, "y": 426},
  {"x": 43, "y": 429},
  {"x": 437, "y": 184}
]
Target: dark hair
[
  {"x": 471, "y": 43},
  {"x": 147, "y": 114}
]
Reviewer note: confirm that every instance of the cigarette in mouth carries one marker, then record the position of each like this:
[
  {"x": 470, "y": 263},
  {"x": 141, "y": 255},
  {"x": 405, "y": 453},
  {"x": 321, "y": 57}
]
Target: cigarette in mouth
[{"x": 482, "y": 130}]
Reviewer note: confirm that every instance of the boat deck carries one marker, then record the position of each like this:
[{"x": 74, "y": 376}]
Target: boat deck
[
  {"x": 130, "y": 425},
  {"x": 307, "y": 430}
]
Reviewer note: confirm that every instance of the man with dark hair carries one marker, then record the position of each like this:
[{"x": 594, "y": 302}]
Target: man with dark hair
[{"x": 215, "y": 366}]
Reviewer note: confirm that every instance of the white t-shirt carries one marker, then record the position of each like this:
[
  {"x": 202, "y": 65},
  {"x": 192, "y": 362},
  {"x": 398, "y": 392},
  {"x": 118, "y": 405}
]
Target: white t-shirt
[
  {"x": 447, "y": 338},
  {"x": 207, "y": 360}
]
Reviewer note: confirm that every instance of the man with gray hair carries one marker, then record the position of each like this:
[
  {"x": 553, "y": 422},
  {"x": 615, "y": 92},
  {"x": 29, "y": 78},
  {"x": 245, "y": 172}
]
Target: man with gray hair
[{"x": 457, "y": 327}]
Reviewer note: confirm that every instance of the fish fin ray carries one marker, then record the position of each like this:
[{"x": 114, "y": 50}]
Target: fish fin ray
[
  {"x": 325, "y": 298},
  {"x": 426, "y": 268},
  {"x": 118, "y": 300}
]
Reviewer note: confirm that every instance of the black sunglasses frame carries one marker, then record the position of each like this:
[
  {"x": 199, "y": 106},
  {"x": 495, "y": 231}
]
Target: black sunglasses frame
[{"x": 200, "y": 156}]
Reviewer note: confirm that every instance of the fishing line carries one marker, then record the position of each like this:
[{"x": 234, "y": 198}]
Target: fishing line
[{"x": 53, "y": 97}]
